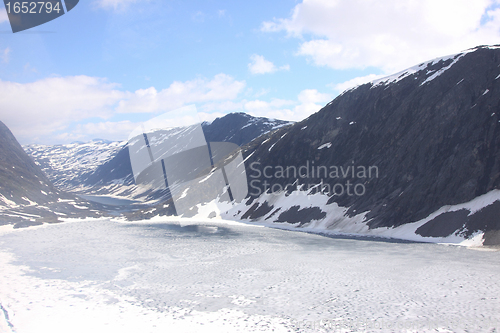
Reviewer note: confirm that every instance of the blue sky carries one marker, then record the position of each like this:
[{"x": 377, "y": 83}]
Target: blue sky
[{"x": 101, "y": 69}]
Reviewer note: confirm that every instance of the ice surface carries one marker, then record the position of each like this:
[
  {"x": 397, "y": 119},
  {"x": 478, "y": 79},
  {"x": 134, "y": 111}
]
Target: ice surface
[{"x": 209, "y": 276}]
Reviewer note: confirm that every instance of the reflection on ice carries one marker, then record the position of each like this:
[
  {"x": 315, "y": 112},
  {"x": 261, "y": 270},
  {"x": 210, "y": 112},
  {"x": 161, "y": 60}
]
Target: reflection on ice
[{"x": 189, "y": 230}]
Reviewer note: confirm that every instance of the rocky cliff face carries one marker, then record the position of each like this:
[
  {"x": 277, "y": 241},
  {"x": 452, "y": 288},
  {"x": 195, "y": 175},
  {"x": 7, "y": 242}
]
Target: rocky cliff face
[{"x": 430, "y": 136}]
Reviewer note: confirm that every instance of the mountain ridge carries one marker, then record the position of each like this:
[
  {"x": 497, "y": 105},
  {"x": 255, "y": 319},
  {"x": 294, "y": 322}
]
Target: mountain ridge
[
  {"x": 103, "y": 168},
  {"x": 434, "y": 138}
]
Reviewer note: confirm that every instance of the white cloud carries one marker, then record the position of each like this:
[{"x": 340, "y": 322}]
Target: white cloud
[
  {"x": 221, "y": 87},
  {"x": 3, "y": 15},
  {"x": 311, "y": 101},
  {"x": 113, "y": 130},
  {"x": 223, "y": 106},
  {"x": 116, "y": 4},
  {"x": 40, "y": 111},
  {"x": 260, "y": 65},
  {"x": 340, "y": 87},
  {"x": 210, "y": 116},
  {"x": 261, "y": 107},
  {"x": 65, "y": 109},
  {"x": 312, "y": 96},
  {"x": 391, "y": 34},
  {"x": 45, "y": 106},
  {"x": 111, "y": 127},
  {"x": 5, "y": 55},
  {"x": 308, "y": 102}
]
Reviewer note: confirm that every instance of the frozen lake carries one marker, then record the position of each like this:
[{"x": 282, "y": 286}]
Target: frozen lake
[
  {"x": 108, "y": 200},
  {"x": 109, "y": 276}
]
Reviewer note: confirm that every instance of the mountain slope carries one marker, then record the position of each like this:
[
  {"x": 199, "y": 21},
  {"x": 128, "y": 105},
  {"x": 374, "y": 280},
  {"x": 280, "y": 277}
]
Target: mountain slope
[
  {"x": 21, "y": 180},
  {"x": 433, "y": 134},
  {"x": 26, "y": 195},
  {"x": 115, "y": 177}
]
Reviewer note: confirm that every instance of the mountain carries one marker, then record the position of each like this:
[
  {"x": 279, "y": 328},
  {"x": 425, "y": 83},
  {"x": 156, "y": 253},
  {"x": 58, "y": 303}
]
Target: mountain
[
  {"x": 115, "y": 177},
  {"x": 415, "y": 155},
  {"x": 240, "y": 128},
  {"x": 27, "y": 196},
  {"x": 66, "y": 165},
  {"x": 102, "y": 167}
]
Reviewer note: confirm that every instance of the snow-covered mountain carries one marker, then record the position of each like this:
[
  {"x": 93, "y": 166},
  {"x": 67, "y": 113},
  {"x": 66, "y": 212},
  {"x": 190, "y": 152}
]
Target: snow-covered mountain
[
  {"x": 115, "y": 177},
  {"x": 103, "y": 168},
  {"x": 240, "y": 128},
  {"x": 66, "y": 165}
]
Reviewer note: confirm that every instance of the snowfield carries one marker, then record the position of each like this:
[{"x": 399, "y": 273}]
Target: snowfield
[
  {"x": 335, "y": 222},
  {"x": 168, "y": 275},
  {"x": 64, "y": 164}
]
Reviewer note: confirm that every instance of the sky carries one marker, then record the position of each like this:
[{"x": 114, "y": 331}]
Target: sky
[{"x": 106, "y": 66}]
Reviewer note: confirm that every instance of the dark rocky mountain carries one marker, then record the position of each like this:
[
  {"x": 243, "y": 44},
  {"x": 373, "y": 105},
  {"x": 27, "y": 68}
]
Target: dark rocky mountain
[
  {"x": 115, "y": 176},
  {"x": 431, "y": 135},
  {"x": 27, "y": 196},
  {"x": 240, "y": 128}
]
